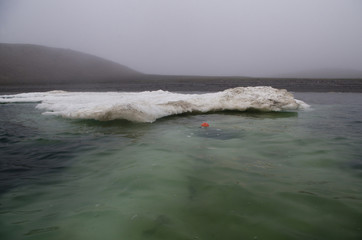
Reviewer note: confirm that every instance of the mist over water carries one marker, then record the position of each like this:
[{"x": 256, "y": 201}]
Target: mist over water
[{"x": 235, "y": 38}]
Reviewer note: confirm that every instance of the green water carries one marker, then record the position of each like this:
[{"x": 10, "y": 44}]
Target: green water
[{"x": 247, "y": 176}]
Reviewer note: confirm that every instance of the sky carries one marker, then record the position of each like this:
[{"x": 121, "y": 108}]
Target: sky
[{"x": 196, "y": 37}]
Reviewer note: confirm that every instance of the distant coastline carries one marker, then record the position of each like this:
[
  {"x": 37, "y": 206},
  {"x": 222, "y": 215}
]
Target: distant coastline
[
  {"x": 195, "y": 84},
  {"x": 29, "y": 68}
]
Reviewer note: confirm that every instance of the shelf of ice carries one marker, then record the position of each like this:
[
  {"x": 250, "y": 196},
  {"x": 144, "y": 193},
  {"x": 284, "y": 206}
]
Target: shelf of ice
[{"x": 151, "y": 105}]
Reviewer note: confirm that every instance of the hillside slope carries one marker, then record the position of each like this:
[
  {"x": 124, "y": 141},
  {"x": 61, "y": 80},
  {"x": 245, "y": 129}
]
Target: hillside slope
[{"x": 25, "y": 63}]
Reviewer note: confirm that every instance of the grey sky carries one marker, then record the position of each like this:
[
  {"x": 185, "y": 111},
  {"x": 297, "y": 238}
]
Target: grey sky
[{"x": 205, "y": 37}]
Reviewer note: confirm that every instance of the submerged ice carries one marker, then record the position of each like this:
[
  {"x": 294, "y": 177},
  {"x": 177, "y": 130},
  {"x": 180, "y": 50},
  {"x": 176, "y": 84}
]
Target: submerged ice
[{"x": 151, "y": 105}]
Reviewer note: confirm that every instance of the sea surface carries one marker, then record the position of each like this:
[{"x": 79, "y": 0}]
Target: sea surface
[{"x": 250, "y": 175}]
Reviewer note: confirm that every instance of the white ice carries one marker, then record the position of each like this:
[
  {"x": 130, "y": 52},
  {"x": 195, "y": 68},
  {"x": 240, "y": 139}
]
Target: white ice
[{"x": 149, "y": 106}]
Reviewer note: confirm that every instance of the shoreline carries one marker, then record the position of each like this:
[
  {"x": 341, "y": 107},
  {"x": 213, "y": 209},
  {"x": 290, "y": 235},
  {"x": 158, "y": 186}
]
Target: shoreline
[{"x": 192, "y": 84}]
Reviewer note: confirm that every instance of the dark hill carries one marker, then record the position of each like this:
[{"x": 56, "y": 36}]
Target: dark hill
[
  {"x": 29, "y": 68},
  {"x": 25, "y": 63}
]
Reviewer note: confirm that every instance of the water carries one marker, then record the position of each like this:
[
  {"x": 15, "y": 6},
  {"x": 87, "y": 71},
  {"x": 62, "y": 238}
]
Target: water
[{"x": 286, "y": 175}]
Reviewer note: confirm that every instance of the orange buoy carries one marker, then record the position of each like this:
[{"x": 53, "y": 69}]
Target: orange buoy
[{"x": 205, "y": 124}]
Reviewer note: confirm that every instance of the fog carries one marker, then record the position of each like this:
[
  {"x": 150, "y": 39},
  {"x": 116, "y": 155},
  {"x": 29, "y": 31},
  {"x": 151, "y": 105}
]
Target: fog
[{"x": 196, "y": 37}]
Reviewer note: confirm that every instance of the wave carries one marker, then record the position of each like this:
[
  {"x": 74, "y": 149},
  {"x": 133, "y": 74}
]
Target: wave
[{"x": 150, "y": 105}]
